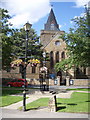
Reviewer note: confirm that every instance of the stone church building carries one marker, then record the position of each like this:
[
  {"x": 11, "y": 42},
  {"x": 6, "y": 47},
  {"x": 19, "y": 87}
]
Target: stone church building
[{"x": 55, "y": 47}]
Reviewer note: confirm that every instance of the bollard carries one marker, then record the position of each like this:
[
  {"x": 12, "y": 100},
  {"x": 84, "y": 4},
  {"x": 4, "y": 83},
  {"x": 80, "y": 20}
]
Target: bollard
[{"x": 52, "y": 104}]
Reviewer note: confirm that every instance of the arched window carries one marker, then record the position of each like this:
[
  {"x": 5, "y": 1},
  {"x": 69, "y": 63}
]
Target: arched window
[
  {"x": 57, "y": 56},
  {"x": 33, "y": 69},
  {"x": 51, "y": 59},
  {"x": 63, "y": 55}
]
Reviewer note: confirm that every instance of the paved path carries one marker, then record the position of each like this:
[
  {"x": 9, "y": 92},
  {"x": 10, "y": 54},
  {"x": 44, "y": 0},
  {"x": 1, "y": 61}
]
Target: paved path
[
  {"x": 38, "y": 94},
  {"x": 7, "y": 113},
  {"x": 12, "y": 111}
]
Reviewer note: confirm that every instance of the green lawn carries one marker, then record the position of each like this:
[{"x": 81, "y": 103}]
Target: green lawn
[
  {"x": 10, "y": 91},
  {"x": 7, "y": 99},
  {"x": 78, "y": 102},
  {"x": 81, "y": 89}
]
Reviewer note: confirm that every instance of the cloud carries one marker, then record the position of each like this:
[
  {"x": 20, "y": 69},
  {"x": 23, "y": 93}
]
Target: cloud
[
  {"x": 26, "y": 10},
  {"x": 81, "y": 3}
]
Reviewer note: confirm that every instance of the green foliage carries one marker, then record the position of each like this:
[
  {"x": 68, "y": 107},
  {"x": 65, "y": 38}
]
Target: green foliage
[
  {"x": 6, "y": 39},
  {"x": 14, "y": 42},
  {"x": 19, "y": 44},
  {"x": 77, "y": 45}
]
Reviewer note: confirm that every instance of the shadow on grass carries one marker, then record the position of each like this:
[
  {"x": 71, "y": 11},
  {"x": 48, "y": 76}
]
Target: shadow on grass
[
  {"x": 87, "y": 101},
  {"x": 61, "y": 107},
  {"x": 71, "y": 104},
  {"x": 66, "y": 103},
  {"x": 32, "y": 109},
  {"x": 64, "y": 107}
]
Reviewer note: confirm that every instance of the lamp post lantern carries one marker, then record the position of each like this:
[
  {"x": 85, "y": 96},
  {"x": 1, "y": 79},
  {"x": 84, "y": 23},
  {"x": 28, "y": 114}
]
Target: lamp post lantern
[{"x": 27, "y": 27}]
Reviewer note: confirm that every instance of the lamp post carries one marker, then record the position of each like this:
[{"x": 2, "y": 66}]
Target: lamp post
[
  {"x": 44, "y": 56},
  {"x": 44, "y": 74},
  {"x": 27, "y": 27}
]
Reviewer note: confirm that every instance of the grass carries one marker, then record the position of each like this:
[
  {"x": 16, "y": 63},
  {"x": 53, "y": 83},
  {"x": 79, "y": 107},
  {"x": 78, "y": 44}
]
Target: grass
[
  {"x": 7, "y": 99},
  {"x": 10, "y": 91},
  {"x": 42, "y": 102},
  {"x": 81, "y": 89},
  {"x": 78, "y": 103}
]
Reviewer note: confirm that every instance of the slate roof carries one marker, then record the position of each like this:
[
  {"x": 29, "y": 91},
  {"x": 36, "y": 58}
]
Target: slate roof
[{"x": 51, "y": 22}]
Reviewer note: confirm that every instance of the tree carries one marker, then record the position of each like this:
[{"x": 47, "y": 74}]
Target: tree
[
  {"x": 77, "y": 45},
  {"x": 19, "y": 44},
  {"x": 6, "y": 33},
  {"x": 14, "y": 41}
]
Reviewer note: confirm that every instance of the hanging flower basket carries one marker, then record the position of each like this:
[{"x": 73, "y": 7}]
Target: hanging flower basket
[
  {"x": 16, "y": 62},
  {"x": 34, "y": 62}
]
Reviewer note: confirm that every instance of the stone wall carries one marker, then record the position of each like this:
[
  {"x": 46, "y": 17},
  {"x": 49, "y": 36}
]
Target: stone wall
[{"x": 81, "y": 82}]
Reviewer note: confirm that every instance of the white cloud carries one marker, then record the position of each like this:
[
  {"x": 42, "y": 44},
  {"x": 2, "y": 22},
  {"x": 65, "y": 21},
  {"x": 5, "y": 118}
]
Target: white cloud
[
  {"x": 81, "y": 3},
  {"x": 26, "y": 10}
]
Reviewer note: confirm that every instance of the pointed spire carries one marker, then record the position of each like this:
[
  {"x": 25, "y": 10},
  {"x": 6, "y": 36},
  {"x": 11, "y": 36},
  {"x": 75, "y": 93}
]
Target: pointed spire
[{"x": 51, "y": 22}]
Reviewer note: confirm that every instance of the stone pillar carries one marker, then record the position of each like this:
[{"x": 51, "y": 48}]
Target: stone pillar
[
  {"x": 59, "y": 56},
  {"x": 67, "y": 80},
  {"x": 88, "y": 72},
  {"x": 54, "y": 57},
  {"x": 52, "y": 104},
  {"x": 58, "y": 80},
  {"x": 30, "y": 69},
  {"x": 37, "y": 68}
]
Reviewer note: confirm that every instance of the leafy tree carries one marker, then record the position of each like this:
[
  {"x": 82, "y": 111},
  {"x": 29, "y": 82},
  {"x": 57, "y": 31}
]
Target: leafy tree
[{"x": 77, "y": 45}]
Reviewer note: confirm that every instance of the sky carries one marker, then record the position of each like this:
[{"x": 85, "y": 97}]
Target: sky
[{"x": 37, "y": 12}]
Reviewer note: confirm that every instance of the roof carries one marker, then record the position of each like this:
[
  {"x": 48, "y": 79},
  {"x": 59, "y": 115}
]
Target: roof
[{"x": 51, "y": 22}]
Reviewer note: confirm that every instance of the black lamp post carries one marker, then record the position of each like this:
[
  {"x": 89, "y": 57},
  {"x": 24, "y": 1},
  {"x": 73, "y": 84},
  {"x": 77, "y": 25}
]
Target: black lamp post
[
  {"x": 44, "y": 74},
  {"x": 27, "y": 27},
  {"x": 44, "y": 56}
]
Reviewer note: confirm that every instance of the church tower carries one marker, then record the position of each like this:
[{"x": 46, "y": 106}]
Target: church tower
[
  {"x": 50, "y": 29},
  {"x": 53, "y": 44},
  {"x": 51, "y": 22}
]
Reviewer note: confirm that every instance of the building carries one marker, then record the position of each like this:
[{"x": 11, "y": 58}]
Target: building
[{"x": 55, "y": 46}]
